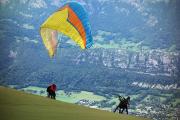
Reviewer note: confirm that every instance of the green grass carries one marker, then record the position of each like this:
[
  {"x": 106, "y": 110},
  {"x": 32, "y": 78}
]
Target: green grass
[
  {"x": 16, "y": 105},
  {"x": 134, "y": 96},
  {"x": 176, "y": 102},
  {"x": 76, "y": 96}
]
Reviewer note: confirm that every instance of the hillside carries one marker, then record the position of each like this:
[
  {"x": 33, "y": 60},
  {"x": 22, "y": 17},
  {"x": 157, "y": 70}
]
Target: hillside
[{"x": 20, "y": 106}]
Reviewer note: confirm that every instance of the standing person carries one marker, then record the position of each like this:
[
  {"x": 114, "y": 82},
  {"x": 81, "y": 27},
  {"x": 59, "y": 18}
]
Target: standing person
[
  {"x": 125, "y": 105},
  {"x": 51, "y": 91}
]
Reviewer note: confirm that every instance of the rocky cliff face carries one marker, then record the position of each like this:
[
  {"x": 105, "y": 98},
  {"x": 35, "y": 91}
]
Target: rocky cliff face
[
  {"x": 153, "y": 62},
  {"x": 162, "y": 66}
]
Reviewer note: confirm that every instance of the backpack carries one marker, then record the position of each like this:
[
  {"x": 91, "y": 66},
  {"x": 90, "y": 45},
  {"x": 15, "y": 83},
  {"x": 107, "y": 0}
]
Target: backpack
[{"x": 48, "y": 88}]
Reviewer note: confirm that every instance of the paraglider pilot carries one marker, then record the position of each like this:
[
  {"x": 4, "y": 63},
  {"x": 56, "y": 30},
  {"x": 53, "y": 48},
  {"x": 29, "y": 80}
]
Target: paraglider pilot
[{"x": 123, "y": 104}]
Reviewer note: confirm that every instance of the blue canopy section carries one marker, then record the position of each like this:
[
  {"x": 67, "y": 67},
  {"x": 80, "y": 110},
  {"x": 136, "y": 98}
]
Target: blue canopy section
[{"x": 83, "y": 16}]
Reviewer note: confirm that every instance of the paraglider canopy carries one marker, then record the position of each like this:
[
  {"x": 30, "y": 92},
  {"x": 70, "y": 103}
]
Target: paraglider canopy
[{"x": 71, "y": 20}]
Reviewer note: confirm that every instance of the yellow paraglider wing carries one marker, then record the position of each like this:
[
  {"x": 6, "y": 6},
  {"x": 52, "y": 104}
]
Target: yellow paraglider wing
[{"x": 69, "y": 21}]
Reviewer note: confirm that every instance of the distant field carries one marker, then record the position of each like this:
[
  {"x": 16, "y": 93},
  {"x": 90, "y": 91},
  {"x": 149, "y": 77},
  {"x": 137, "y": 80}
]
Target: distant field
[
  {"x": 176, "y": 102},
  {"x": 17, "y": 105},
  {"x": 71, "y": 97},
  {"x": 76, "y": 96}
]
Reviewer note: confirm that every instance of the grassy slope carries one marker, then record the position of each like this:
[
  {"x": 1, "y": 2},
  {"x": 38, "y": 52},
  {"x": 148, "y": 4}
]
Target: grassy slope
[{"x": 15, "y": 105}]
